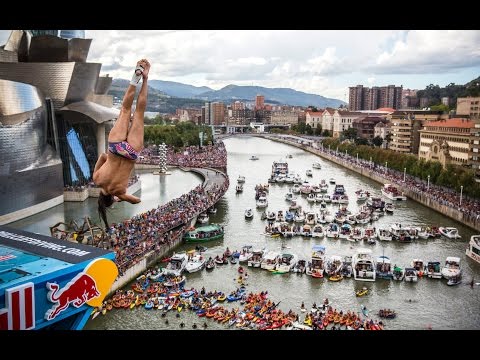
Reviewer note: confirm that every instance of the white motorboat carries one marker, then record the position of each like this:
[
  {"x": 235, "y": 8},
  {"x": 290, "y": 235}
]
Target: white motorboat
[
  {"x": 332, "y": 231},
  {"x": 256, "y": 258},
  {"x": 270, "y": 260},
  {"x": 253, "y": 157},
  {"x": 239, "y": 188},
  {"x": 296, "y": 189},
  {"x": 332, "y": 181},
  {"x": 334, "y": 265},
  {"x": 300, "y": 266},
  {"x": 245, "y": 254},
  {"x": 362, "y": 196},
  {"x": 452, "y": 267},
  {"x": 241, "y": 179},
  {"x": 411, "y": 274},
  {"x": 290, "y": 196},
  {"x": 305, "y": 188},
  {"x": 306, "y": 231},
  {"x": 323, "y": 186},
  {"x": 317, "y": 265},
  {"x": 248, "y": 213},
  {"x": 392, "y": 193},
  {"x": 271, "y": 216},
  {"x": 311, "y": 218},
  {"x": 398, "y": 273},
  {"x": 196, "y": 263},
  {"x": 473, "y": 250},
  {"x": 262, "y": 202},
  {"x": 308, "y": 172},
  {"x": 176, "y": 265},
  {"x": 316, "y": 165},
  {"x": 449, "y": 232},
  {"x": 311, "y": 197},
  {"x": 212, "y": 210},
  {"x": 203, "y": 218},
  {"x": 318, "y": 231},
  {"x": 286, "y": 262},
  {"x": 384, "y": 234},
  {"x": 347, "y": 269},
  {"x": 299, "y": 218},
  {"x": 418, "y": 265},
  {"x": 434, "y": 270},
  {"x": 364, "y": 265}
]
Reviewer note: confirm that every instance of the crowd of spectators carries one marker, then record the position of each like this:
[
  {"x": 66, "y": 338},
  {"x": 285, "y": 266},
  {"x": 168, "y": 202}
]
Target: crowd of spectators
[{"x": 214, "y": 156}]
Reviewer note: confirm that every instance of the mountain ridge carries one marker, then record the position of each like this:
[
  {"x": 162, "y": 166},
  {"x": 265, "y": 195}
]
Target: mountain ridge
[{"x": 231, "y": 92}]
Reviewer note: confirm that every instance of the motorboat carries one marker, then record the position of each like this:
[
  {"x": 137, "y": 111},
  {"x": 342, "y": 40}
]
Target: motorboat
[
  {"x": 392, "y": 193},
  {"x": 308, "y": 172},
  {"x": 332, "y": 181},
  {"x": 248, "y": 213},
  {"x": 384, "y": 267},
  {"x": 451, "y": 267},
  {"x": 289, "y": 216},
  {"x": 434, "y": 270},
  {"x": 256, "y": 258},
  {"x": 316, "y": 165},
  {"x": 317, "y": 265},
  {"x": 253, "y": 157},
  {"x": 317, "y": 231},
  {"x": 290, "y": 196},
  {"x": 449, "y": 232},
  {"x": 212, "y": 210},
  {"x": 383, "y": 234},
  {"x": 334, "y": 265},
  {"x": 241, "y": 179},
  {"x": 364, "y": 265},
  {"x": 239, "y": 188},
  {"x": 195, "y": 263},
  {"x": 262, "y": 202},
  {"x": 176, "y": 265},
  {"x": 296, "y": 189},
  {"x": 203, "y": 218},
  {"x": 454, "y": 280},
  {"x": 245, "y": 254},
  {"x": 347, "y": 269},
  {"x": 473, "y": 250},
  {"x": 398, "y": 273},
  {"x": 300, "y": 266},
  {"x": 271, "y": 216},
  {"x": 270, "y": 260},
  {"x": 285, "y": 263},
  {"x": 411, "y": 274},
  {"x": 418, "y": 265}
]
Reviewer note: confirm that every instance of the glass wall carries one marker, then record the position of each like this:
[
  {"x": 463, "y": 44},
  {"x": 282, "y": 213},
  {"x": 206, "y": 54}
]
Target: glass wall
[{"x": 78, "y": 149}]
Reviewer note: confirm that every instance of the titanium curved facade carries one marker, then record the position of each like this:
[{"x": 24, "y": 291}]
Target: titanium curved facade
[
  {"x": 53, "y": 119},
  {"x": 71, "y": 34},
  {"x": 30, "y": 170}
]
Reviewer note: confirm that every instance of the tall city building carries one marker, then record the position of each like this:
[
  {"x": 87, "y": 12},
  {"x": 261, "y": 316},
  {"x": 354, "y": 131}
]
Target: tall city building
[
  {"x": 363, "y": 98},
  {"x": 217, "y": 113},
  {"x": 55, "y": 115},
  {"x": 259, "y": 102}
]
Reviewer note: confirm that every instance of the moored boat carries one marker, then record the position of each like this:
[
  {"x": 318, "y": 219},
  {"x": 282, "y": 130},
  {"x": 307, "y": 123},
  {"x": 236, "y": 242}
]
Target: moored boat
[
  {"x": 364, "y": 265},
  {"x": 203, "y": 218},
  {"x": 452, "y": 267},
  {"x": 204, "y": 233},
  {"x": 195, "y": 263},
  {"x": 392, "y": 193},
  {"x": 449, "y": 232},
  {"x": 434, "y": 270},
  {"x": 473, "y": 250},
  {"x": 248, "y": 213},
  {"x": 317, "y": 265}
]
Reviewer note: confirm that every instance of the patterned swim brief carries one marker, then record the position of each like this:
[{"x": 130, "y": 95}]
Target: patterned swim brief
[{"x": 123, "y": 149}]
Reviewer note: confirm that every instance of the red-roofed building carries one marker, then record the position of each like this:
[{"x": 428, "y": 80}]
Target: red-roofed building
[
  {"x": 313, "y": 118},
  {"x": 448, "y": 141}
]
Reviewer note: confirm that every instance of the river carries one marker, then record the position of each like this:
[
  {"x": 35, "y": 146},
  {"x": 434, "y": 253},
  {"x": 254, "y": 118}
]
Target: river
[{"x": 427, "y": 303}]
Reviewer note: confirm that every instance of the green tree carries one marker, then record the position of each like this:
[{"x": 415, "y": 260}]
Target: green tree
[
  {"x": 377, "y": 141},
  {"x": 318, "y": 130},
  {"x": 350, "y": 133},
  {"x": 308, "y": 129},
  {"x": 326, "y": 133}
]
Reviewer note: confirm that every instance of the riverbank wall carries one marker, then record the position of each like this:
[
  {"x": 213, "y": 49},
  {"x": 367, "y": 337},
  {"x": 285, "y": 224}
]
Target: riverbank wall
[
  {"x": 153, "y": 257},
  {"x": 419, "y": 197}
]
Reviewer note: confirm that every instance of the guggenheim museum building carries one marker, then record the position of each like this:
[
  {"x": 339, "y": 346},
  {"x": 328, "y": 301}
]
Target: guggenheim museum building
[{"x": 55, "y": 116}]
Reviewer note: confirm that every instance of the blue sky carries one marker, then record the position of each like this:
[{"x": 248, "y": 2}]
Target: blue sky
[{"x": 315, "y": 61}]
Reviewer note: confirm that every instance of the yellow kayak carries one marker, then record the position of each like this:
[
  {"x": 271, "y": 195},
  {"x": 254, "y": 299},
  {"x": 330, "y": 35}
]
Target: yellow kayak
[
  {"x": 179, "y": 308},
  {"x": 362, "y": 292}
]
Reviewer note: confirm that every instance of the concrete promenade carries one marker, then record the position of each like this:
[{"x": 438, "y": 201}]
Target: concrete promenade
[{"x": 417, "y": 196}]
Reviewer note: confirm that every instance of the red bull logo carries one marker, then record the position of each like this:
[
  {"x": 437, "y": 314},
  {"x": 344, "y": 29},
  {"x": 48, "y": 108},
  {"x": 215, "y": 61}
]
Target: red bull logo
[
  {"x": 77, "y": 292},
  {"x": 88, "y": 287}
]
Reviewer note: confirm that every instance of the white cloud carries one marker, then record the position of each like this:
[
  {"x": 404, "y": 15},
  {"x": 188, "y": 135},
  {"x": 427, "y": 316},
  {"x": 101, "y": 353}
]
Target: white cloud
[
  {"x": 432, "y": 51},
  {"x": 321, "y": 62}
]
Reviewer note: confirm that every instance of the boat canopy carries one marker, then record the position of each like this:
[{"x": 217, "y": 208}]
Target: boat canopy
[{"x": 453, "y": 259}]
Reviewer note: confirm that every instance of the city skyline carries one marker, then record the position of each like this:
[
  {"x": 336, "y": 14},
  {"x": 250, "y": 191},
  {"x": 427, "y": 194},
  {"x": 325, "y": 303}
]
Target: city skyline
[{"x": 319, "y": 62}]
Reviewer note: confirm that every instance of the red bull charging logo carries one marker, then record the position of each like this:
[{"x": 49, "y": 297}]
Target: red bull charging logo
[
  {"x": 87, "y": 287},
  {"x": 77, "y": 292}
]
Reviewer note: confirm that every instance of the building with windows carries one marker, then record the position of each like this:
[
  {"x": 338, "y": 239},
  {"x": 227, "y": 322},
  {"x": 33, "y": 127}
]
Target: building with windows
[
  {"x": 259, "y": 102},
  {"x": 365, "y": 126},
  {"x": 284, "y": 117},
  {"x": 55, "y": 118},
  {"x": 405, "y": 126},
  {"x": 343, "y": 120},
  {"x": 475, "y": 147},
  {"x": 448, "y": 141},
  {"x": 469, "y": 106},
  {"x": 364, "y": 98},
  {"x": 314, "y": 118}
]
